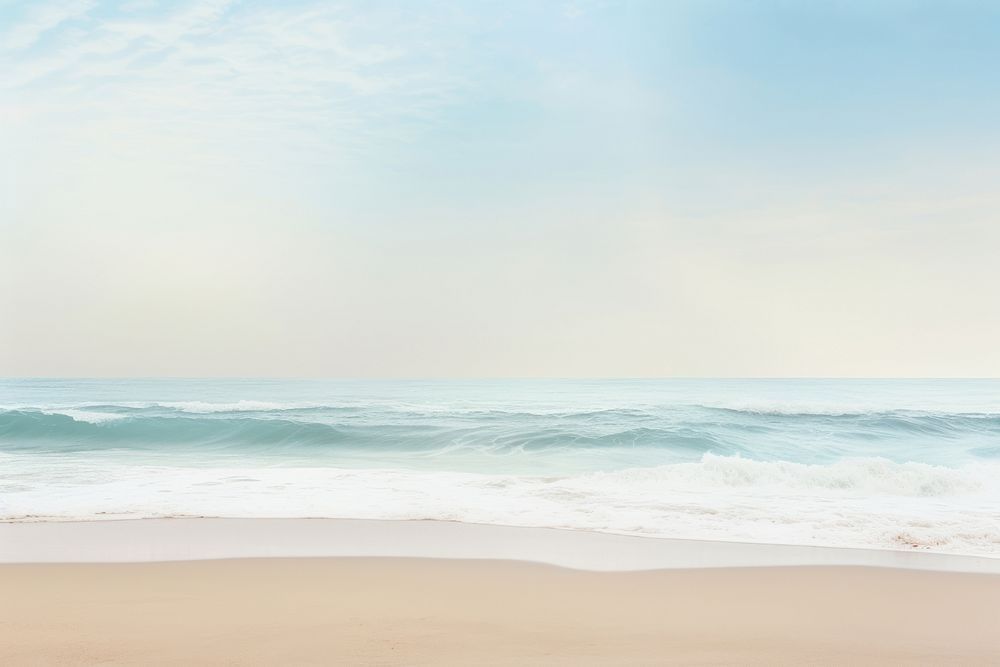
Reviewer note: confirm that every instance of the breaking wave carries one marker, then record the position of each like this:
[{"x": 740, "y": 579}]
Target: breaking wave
[{"x": 907, "y": 465}]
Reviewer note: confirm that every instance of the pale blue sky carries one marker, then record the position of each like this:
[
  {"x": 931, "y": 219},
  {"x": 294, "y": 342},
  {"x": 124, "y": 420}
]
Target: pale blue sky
[{"x": 499, "y": 188}]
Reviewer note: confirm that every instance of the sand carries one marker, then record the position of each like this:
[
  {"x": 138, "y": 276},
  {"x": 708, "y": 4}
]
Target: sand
[
  {"x": 203, "y": 538},
  {"x": 330, "y": 591},
  {"x": 321, "y": 611}
]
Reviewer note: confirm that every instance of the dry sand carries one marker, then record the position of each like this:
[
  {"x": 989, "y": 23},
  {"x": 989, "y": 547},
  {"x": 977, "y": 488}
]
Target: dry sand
[{"x": 321, "y": 611}]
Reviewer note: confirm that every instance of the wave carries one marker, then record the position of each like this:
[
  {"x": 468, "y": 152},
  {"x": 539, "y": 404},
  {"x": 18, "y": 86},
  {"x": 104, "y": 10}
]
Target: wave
[
  {"x": 854, "y": 463},
  {"x": 918, "y": 506},
  {"x": 204, "y": 407},
  {"x": 773, "y": 408},
  {"x": 193, "y": 407},
  {"x": 74, "y": 433},
  {"x": 212, "y": 433},
  {"x": 647, "y": 437},
  {"x": 801, "y": 409},
  {"x": 85, "y": 415}
]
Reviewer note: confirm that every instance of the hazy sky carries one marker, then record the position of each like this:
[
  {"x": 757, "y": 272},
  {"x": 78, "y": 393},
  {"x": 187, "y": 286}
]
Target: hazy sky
[{"x": 576, "y": 188}]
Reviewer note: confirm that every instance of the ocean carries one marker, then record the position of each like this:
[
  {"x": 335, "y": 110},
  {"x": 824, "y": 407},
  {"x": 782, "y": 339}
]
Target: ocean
[{"x": 888, "y": 464}]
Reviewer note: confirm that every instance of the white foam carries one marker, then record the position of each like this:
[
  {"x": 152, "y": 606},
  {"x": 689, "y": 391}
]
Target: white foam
[
  {"x": 857, "y": 476},
  {"x": 85, "y": 415},
  {"x": 202, "y": 407},
  {"x": 844, "y": 409},
  {"x": 868, "y": 503}
]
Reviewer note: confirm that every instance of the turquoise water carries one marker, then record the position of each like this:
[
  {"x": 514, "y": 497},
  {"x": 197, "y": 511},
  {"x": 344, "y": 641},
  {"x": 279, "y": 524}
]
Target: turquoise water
[{"x": 885, "y": 463}]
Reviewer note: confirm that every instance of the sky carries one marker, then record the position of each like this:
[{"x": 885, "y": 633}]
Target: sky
[{"x": 565, "y": 188}]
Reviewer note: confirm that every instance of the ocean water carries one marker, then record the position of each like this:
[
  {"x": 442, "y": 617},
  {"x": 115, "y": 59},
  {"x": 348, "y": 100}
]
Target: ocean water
[{"x": 907, "y": 464}]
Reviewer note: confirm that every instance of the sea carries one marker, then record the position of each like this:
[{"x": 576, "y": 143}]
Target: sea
[{"x": 885, "y": 464}]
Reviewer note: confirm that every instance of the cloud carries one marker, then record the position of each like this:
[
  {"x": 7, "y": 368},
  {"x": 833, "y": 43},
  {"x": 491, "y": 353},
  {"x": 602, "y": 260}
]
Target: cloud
[
  {"x": 315, "y": 74},
  {"x": 574, "y": 9},
  {"x": 41, "y": 19}
]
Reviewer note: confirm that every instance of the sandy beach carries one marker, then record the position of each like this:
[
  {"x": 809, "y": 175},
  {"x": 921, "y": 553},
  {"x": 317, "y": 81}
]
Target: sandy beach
[
  {"x": 416, "y": 611},
  {"x": 413, "y": 610}
]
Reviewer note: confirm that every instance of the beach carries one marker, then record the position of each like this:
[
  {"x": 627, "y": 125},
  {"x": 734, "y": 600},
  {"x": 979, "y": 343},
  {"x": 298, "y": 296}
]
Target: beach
[
  {"x": 295, "y": 522},
  {"x": 578, "y": 332},
  {"x": 403, "y": 609}
]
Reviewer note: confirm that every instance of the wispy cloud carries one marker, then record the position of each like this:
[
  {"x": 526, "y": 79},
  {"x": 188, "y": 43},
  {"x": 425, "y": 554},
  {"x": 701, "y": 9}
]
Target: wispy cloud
[
  {"x": 329, "y": 75},
  {"x": 41, "y": 18},
  {"x": 574, "y": 9}
]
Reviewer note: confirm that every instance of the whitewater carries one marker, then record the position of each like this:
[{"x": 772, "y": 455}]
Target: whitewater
[{"x": 890, "y": 464}]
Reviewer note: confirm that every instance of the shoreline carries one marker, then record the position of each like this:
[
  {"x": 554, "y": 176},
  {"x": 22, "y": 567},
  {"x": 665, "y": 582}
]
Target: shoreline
[
  {"x": 195, "y": 539},
  {"x": 220, "y": 592}
]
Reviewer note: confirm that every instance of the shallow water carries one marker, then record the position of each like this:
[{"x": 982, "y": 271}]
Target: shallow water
[{"x": 910, "y": 464}]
